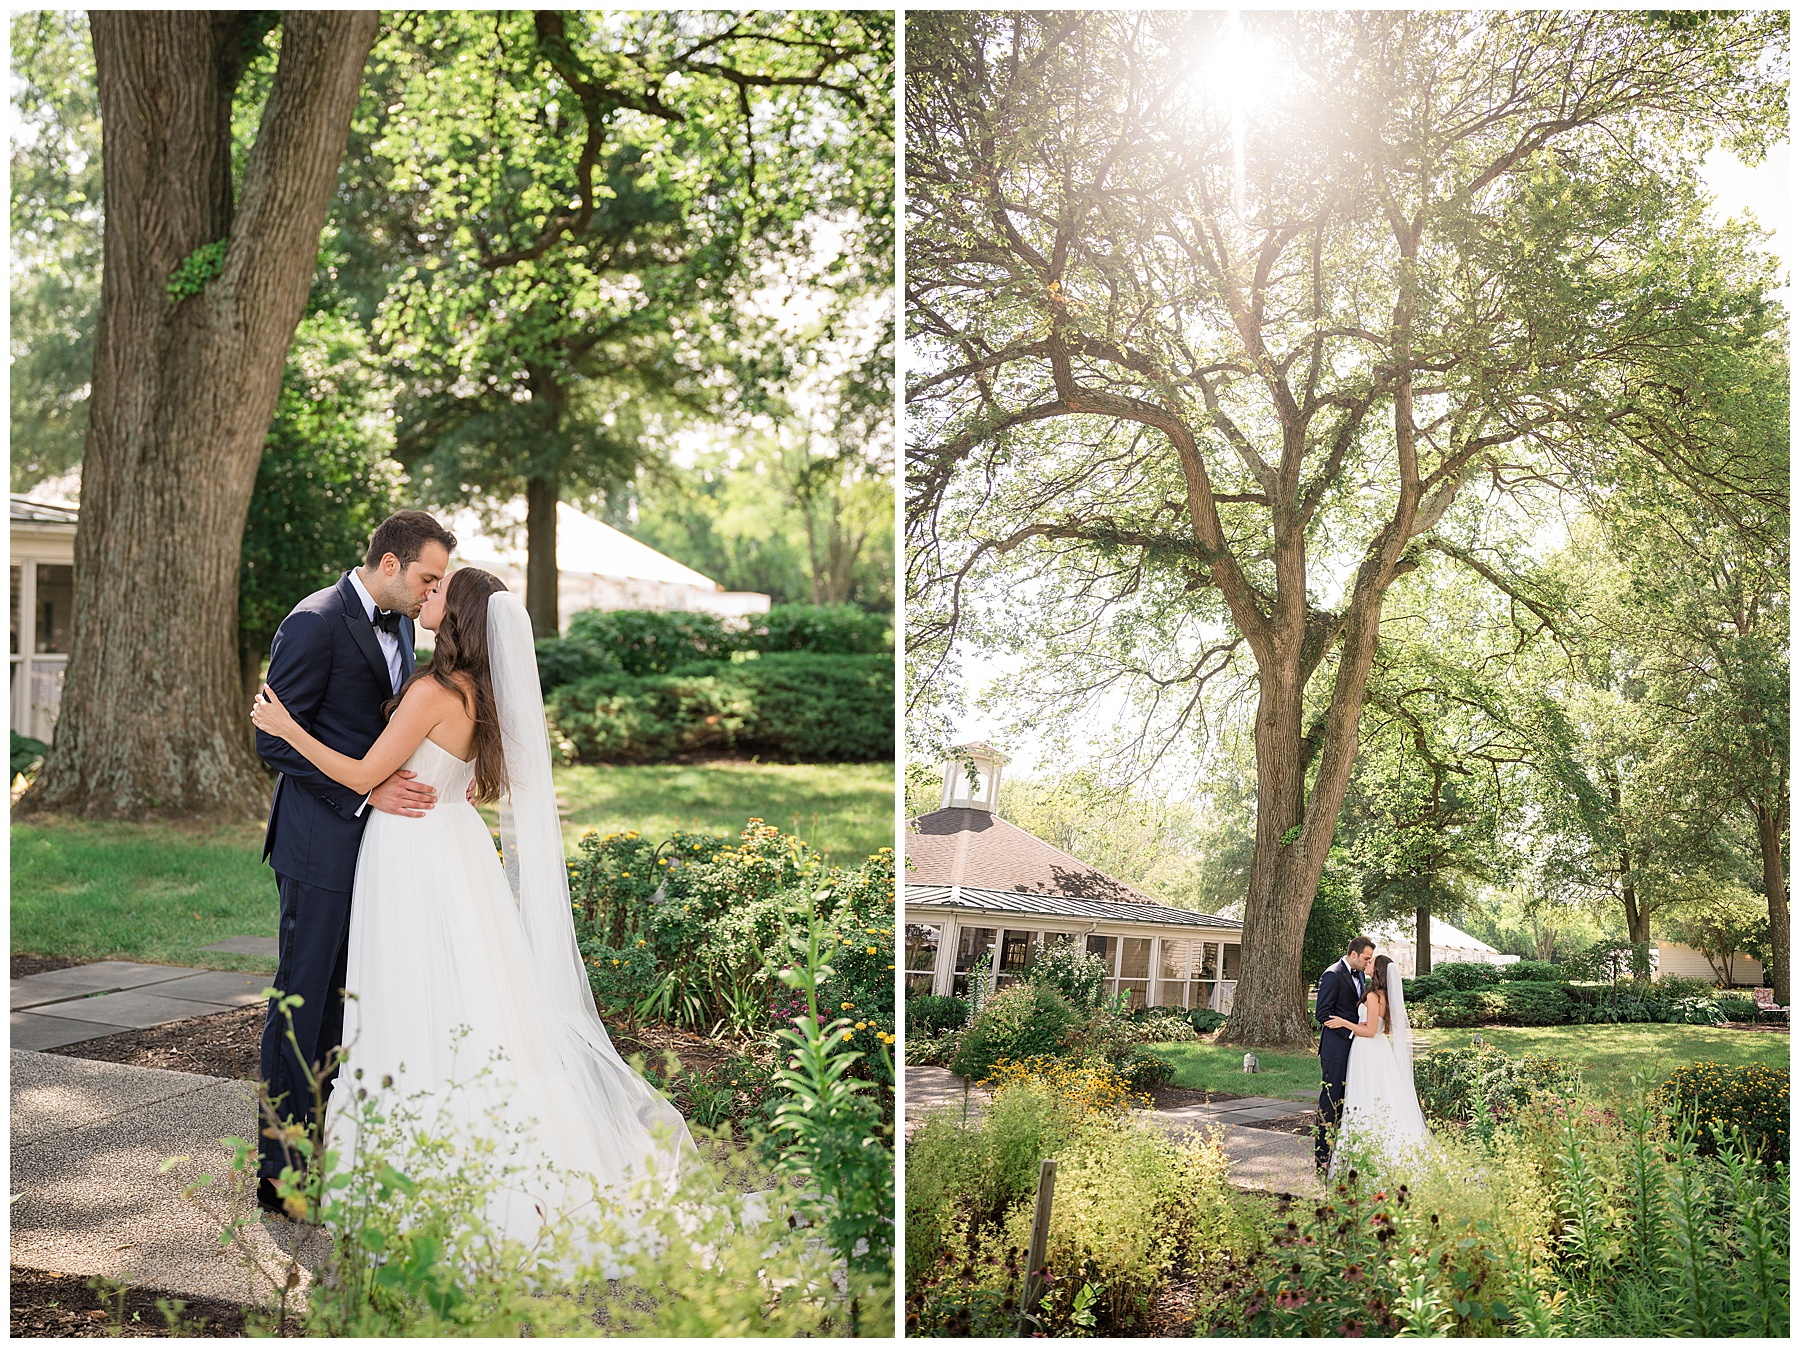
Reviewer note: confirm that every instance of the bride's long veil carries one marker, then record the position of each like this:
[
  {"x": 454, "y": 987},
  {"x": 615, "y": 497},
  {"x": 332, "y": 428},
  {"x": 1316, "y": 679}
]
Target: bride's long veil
[
  {"x": 1401, "y": 1036},
  {"x": 532, "y": 851}
]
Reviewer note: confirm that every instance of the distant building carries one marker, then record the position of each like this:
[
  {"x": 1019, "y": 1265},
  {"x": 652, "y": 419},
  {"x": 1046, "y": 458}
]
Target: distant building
[
  {"x": 43, "y": 610},
  {"x": 1449, "y": 945},
  {"x": 977, "y": 885},
  {"x": 1671, "y": 959},
  {"x": 597, "y": 567}
]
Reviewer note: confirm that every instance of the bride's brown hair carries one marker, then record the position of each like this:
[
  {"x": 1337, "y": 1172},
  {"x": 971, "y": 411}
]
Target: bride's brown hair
[
  {"x": 461, "y": 649},
  {"x": 1380, "y": 980}
]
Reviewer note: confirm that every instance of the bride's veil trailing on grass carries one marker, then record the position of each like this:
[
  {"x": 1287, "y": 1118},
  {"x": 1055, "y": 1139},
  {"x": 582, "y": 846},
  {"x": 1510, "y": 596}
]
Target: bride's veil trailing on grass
[{"x": 532, "y": 851}]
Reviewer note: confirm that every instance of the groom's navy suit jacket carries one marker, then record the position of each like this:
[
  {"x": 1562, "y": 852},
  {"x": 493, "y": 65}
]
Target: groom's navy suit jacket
[
  {"x": 1337, "y": 997},
  {"x": 327, "y": 668}
]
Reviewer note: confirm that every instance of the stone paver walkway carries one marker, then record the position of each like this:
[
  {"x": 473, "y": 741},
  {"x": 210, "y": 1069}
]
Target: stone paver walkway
[
  {"x": 89, "y": 1196},
  {"x": 89, "y": 1001},
  {"x": 1260, "y": 1157}
]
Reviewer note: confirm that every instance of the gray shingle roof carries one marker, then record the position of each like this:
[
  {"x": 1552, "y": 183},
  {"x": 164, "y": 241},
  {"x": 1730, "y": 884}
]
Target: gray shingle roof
[
  {"x": 1061, "y": 905},
  {"x": 960, "y": 846}
]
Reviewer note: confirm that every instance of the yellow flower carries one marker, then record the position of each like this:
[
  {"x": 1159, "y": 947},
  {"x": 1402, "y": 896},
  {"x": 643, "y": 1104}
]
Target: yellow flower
[
  {"x": 847, "y": 1034},
  {"x": 862, "y": 1025},
  {"x": 640, "y": 940},
  {"x": 845, "y": 1006},
  {"x": 871, "y": 950},
  {"x": 615, "y": 964}
]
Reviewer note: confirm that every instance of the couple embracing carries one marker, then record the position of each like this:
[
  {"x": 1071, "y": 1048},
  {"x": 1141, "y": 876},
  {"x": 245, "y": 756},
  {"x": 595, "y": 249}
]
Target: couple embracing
[
  {"x": 1368, "y": 1099},
  {"x": 467, "y": 998}
]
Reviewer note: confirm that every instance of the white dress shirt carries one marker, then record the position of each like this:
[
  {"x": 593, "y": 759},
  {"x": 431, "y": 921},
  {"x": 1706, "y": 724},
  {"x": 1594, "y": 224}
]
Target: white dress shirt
[{"x": 390, "y": 642}]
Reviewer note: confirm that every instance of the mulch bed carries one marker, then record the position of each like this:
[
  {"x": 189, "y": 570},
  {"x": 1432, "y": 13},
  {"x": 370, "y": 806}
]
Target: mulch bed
[
  {"x": 226, "y": 1044},
  {"x": 695, "y": 1052},
  {"x": 23, "y": 966},
  {"x": 63, "y": 1306}
]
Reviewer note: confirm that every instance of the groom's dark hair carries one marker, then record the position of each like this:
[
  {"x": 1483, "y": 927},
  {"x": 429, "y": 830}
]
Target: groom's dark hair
[
  {"x": 405, "y": 534},
  {"x": 1359, "y": 943}
]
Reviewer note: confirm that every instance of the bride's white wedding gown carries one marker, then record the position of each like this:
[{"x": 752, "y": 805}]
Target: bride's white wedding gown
[
  {"x": 1381, "y": 1107},
  {"x": 446, "y": 984}
]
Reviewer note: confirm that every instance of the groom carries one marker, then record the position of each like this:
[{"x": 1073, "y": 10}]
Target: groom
[
  {"x": 337, "y": 658},
  {"x": 1341, "y": 991}
]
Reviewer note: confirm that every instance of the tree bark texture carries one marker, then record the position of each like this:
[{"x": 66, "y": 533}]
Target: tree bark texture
[
  {"x": 1769, "y": 824},
  {"x": 541, "y": 496},
  {"x": 153, "y": 716},
  {"x": 1422, "y": 939}
]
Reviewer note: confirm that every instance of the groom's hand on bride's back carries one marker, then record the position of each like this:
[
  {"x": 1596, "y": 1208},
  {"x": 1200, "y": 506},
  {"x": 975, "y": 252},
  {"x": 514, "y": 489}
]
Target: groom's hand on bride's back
[{"x": 400, "y": 794}]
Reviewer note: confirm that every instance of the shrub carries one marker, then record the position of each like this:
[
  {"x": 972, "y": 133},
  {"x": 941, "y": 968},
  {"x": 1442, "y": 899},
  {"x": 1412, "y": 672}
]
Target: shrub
[
  {"x": 819, "y": 708},
  {"x": 1067, "y": 966},
  {"x": 1466, "y": 1083},
  {"x": 1423, "y": 987},
  {"x": 793, "y": 705},
  {"x": 1020, "y": 1022},
  {"x": 1677, "y": 988},
  {"x": 1467, "y": 977},
  {"x": 562, "y": 660},
  {"x": 826, "y": 629},
  {"x": 1457, "y": 1009},
  {"x": 1144, "y": 1071},
  {"x": 642, "y": 642},
  {"x": 1091, "y": 1087},
  {"x": 1205, "y": 1020},
  {"x": 1738, "y": 1008},
  {"x": 1531, "y": 971},
  {"x": 1692, "y": 1011},
  {"x": 1755, "y": 1098},
  {"x": 935, "y": 1015},
  {"x": 1535, "y": 1004}
]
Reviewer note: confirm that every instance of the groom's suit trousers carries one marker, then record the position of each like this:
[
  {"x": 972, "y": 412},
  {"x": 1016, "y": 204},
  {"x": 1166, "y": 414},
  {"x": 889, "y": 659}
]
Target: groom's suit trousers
[{"x": 314, "y": 954}]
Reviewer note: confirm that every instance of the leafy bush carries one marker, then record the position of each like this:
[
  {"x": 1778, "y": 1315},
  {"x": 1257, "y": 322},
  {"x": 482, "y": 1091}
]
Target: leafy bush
[
  {"x": 1464, "y": 1084},
  {"x": 1531, "y": 971},
  {"x": 1205, "y": 1020},
  {"x": 1024, "y": 1021},
  {"x": 1534, "y": 1004},
  {"x": 1692, "y": 1011},
  {"x": 1423, "y": 987},
  {"x": 935, "y": 1015},
  {"x": 793, "y": 705},
  {"x": 1066, "y": 966},
  {"x": 819, "y": 708},
  {"x": 1738, "y": 1008},
  {"x": 1456, "y": 1009},
  {"x": 1092, "y": 1087},
  {"x": 1678, "y": 988},
  {"x": 827, "y": 629},
  {"x": 564, "y": 660},
  {"x": 643, "y": 642},
  {"x": 1753, "y": 1098},
  {"x": 1467, "y": 977},
  {"x": 1145, "y": 1071}
]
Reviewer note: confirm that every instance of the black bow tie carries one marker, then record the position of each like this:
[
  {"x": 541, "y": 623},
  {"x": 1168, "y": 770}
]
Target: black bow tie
[{"x": 387, "y": 622}]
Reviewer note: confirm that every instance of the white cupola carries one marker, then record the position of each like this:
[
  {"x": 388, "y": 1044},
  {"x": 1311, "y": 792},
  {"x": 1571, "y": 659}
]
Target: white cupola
[{"x": 981, "y": 793}]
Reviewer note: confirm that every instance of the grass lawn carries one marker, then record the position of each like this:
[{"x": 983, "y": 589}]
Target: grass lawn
[
  {"x": 1220, "y": 1067},
  {"x": 156, "y": 893},
  {"x": 1609, "y": 1054},
  {"x": 846, "y": 810}
]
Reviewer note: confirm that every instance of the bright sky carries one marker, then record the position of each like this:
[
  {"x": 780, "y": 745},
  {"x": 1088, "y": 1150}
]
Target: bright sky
[{"x": 1762, "y": 191}]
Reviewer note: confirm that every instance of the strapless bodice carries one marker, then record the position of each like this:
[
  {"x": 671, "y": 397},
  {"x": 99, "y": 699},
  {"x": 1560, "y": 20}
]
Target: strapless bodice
[{"x": 438, "y": 767}]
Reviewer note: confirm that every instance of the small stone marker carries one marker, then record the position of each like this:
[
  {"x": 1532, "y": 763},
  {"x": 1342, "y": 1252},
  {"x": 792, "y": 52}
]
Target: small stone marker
[{"x": 1249, "y": 1062}]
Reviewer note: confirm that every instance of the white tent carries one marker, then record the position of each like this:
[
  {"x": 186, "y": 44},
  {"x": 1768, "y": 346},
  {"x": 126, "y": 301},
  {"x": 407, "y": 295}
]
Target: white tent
[
  {"x": 1449, "y": 945},
  {"x": 597, "y": 565}
]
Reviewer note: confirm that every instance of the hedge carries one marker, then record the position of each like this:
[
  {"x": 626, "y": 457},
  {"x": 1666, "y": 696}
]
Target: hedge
[
  {"x": 1530, "y": 971},
  {"x": 792, "y": 705},
  {"x": 927, "y": 1015},
  {"x": 646, "y": 642}
]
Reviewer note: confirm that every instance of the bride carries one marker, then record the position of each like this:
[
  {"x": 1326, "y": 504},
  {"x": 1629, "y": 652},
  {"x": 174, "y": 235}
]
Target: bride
[
  {"x": 1381, "y": 1103},
  {"x": 469, "y": 993}
]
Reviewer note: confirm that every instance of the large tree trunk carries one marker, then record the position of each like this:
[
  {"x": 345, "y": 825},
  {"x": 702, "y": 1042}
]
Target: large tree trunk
[
  {"x": 1768, "y": 838},
  {"x": 1422, "y": 939},
  {"x": 541, "y": 496},
  {"x": 153, "y": 715}
]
